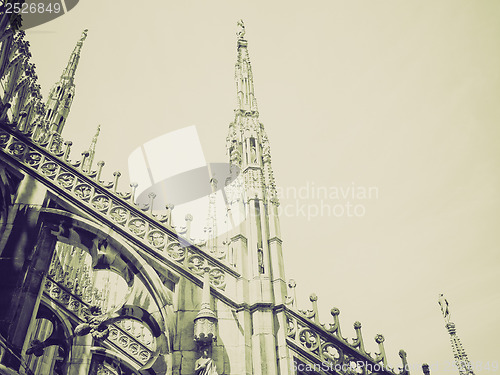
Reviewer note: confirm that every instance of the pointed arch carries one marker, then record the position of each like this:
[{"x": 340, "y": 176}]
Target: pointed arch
[{"x": 109, "y": 250}]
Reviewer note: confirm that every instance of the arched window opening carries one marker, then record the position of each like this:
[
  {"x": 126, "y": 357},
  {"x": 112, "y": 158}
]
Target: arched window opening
[{"x": 71, "y": 270}]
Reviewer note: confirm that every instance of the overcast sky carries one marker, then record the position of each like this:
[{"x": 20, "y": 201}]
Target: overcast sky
[{"x": 399, "y": 96}]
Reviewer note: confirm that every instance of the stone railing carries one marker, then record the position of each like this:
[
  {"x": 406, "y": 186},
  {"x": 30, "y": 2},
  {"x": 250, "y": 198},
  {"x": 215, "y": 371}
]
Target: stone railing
[
  {"x": 53, "y": 168},
  {"x": 324, "y": 348},
  {"x": 27, "y": 138}
]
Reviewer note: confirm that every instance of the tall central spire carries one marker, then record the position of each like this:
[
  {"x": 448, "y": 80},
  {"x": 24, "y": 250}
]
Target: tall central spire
[
  {"x": 255, "y": 244},
  {"x": 249, "y": 154},
  {"x": 62, "y": 93},
  {"x": 247, "y": 142}
]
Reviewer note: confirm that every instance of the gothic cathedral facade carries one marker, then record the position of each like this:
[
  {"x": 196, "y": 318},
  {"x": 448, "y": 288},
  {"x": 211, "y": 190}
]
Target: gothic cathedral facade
[{"x": 93, "y": 283}]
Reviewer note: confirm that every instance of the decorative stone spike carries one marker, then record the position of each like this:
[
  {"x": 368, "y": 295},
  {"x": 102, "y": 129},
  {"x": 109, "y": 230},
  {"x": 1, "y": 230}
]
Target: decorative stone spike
[
  {"x": 335, "y": 327},
  {"x": 100, "y": 164},
  {"x": 85, "y": 155},
  {"x": 133, "y": 185},
  {"x": 67, "y": 150},
  {"x": 404, "y": 369},
  {"x": 116, "y": 175},
  {"x": 425, "y": 369},
  {"x": 152, "y": 197},
  {"x": 314, "y": 299},
  {"x": 170, "y": 208},
  {"x": 358, "y": 341},
  {"x": 379, "y": 339}
]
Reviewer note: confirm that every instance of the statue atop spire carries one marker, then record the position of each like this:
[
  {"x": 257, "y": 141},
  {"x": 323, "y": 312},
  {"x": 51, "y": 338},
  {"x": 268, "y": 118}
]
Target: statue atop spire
[
  {"x": 241, "y": 30},
  {"x": 443, "y": 303},
  {"x": 84, "y": 35}
]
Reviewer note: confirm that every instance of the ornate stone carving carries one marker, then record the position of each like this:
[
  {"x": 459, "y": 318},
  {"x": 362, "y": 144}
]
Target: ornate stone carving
[
  {"x": 176, "y": 251},
  {"x": 101, "y": 202},
  {"x": 156, "y": 238},
  {"x": 119, "y": 214},
  {"x": 83, "y": 191},
  {"x": 49, "y": 169},
  {"x": 66, "y": 180},
  {"x": 143, "y": 226},
  {"x": 33, "y": 159},
  {"x": 137, "y": 226}
]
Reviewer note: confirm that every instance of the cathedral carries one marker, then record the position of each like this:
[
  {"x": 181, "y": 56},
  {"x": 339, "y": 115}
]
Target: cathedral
[{"x": 95, "y": 282}]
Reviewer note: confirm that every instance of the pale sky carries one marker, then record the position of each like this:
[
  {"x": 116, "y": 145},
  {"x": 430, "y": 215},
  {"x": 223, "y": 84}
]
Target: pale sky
[{"x": 400, "y": 96}]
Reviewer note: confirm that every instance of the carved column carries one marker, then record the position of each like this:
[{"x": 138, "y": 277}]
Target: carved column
[{"x": 25, "y": 260}]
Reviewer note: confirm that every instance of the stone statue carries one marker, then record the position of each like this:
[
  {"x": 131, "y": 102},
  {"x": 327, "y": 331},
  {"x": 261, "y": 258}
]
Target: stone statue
[
  {"x": 241, "y": 30},
  {"x": 253, "y": 155},
  {"x": 260, "y": 258},
  {"x": 205, "y": 365}
]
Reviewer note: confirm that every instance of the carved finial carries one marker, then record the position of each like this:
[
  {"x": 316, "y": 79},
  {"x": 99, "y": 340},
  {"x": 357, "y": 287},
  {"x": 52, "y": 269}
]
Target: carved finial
[
  {"x": 169, "y": 207},
  {"x": 426, "y": 370},
  {"x": 335, "y": 327},
  {"x": 116, "y": 175},
  {"x": 379, "y": 339},
  {"x": 85, "y": 155},
  {"x": 133, "y": 185},
  {"x": 241, "y": 30},
  {"x": 312, "y": 314},
  {"x": 404, "y": 370},
  {"x": 100, "y": 164},
  {"x": 152, "y": 197},
  {"x": 358, "y": 341}
]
